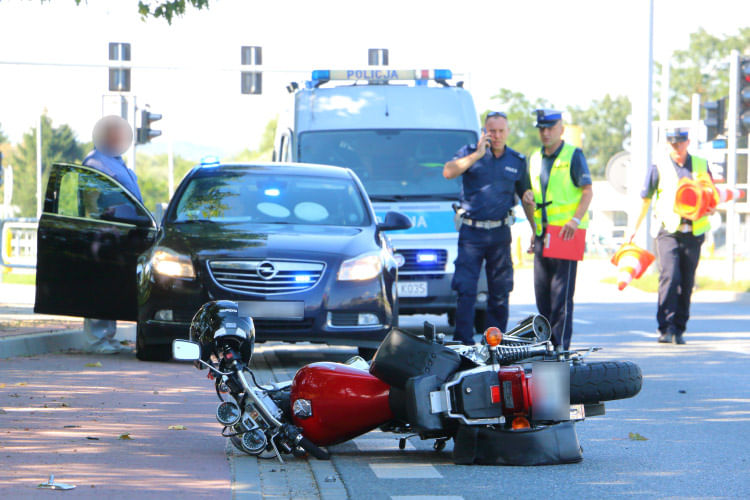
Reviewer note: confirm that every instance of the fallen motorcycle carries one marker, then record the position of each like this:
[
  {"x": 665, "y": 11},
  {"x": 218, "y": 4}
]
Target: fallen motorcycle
[{"x": 512, "y": 400}]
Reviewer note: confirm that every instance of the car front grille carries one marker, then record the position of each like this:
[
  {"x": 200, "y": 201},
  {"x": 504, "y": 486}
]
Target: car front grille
[
  {"x": 269, "y": 276},
  {"x": 267, "y": 326},
  {"x": 411, "y": 265}
]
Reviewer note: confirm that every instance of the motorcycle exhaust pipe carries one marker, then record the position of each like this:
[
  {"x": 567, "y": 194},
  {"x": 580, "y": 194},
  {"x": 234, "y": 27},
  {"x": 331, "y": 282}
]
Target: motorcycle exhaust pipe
[{"x": 531, "y": 330}]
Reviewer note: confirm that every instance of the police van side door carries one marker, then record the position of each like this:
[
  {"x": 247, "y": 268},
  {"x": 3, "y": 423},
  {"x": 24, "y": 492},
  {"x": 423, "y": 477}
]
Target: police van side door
[{"x": 90, "y": 234}]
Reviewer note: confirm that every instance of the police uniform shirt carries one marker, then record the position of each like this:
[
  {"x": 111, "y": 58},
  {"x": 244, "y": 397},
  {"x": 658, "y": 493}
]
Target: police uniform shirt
[
  {"x": 490, "y": 185},
  {"x": 114, "y": 167},
  {"x": 652, "y": 178},
  {"x": 579, "y": 172}
]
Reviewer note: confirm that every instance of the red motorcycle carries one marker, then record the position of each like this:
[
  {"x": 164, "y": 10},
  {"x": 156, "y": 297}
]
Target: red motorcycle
[{"x": 512, "y": 400}]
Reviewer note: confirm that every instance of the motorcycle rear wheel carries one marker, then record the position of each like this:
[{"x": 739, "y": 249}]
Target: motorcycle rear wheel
[{"x": 601, "y": 381}]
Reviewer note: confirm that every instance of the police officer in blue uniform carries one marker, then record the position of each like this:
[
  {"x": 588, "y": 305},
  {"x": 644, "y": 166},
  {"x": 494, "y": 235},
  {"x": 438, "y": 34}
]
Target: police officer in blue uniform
[
  {"x": 493, "y": 175},
  {"x": 559, "y": 199},
  {"x": 679, "y": 240}
]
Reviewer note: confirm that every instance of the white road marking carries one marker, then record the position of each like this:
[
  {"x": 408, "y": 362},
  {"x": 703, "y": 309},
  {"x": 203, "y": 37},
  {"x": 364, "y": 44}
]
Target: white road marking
[
  {"x": 642, "y": 333},
  {"x": 380, "y": 444},
  {"x": 582, "y": 321},
  {"x": 405, "y": 471}
]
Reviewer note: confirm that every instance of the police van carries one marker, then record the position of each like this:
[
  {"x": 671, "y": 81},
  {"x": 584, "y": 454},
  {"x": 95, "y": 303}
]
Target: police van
[{"x": 395, "y": 129}]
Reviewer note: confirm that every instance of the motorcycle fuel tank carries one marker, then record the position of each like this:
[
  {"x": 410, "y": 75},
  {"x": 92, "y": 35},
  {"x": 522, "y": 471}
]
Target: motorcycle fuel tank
[{"x": 333, "y": 402}]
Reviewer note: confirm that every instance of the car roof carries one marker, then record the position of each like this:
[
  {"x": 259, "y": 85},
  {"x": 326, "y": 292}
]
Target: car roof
[{"x": 282, "y": 168}]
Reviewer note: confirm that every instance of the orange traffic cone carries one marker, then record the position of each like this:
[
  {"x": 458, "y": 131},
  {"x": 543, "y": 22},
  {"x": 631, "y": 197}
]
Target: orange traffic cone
[
  {"x": 695, "y": 198},
  {"x": 631, "y": 261},
  {"x": 729, "y": 194}
]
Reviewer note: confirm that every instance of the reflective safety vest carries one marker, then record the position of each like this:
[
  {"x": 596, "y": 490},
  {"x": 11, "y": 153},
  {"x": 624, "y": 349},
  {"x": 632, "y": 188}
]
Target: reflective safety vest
[
  {"x": 666, "y": 192},
  {"x": 562, "y": 196}
]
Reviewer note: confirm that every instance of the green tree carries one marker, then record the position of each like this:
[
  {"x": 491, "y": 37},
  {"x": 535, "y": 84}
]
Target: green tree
[
  {"x": 59, "y": 144},
  {"x": 702, "y": 69},
  {"x": 605, "y": 127},
  {"x": 3, "y": 137},
  {"x": 153, "y": 177},
  {"x": 524, "y": 137},
  {"x": 265, "y": 148},
  {"x": 165, "y": 9}
]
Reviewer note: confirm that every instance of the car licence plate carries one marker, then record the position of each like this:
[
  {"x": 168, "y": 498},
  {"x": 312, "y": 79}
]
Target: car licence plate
[
  {"x": 272, "y": 309},
  {"x": 412, "y": 289}
]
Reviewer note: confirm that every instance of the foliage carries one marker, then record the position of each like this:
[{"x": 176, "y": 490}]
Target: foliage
[
  {"x": 3, "y": 137},
  {"x": 59, "y": 144},
  {"x": 523, "y": 137},
  {"x": 265, "y": 148},
  {"x": 605, "y": 127},
  {"x": 153, "y": 177},
  {"x": 165, "y": 9},
  {"x": 702, "y": 68}
]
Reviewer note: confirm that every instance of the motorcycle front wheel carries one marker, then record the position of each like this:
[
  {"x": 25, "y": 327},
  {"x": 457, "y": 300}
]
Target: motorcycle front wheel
[{"x": 601, "y": 381}]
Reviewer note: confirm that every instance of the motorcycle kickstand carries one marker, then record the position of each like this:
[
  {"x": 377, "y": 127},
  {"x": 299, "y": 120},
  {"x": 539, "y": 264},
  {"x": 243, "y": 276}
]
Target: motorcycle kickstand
[
  {"x": 439, "y": 444},
  {"x": 402, "y": 441}
]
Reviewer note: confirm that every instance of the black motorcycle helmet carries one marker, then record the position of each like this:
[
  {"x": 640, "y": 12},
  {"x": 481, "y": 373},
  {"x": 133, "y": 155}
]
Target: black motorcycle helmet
[{"x": 218, "y": 324}]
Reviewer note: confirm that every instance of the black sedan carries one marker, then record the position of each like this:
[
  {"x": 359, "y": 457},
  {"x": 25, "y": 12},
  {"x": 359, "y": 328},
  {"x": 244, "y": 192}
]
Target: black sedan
[{"x": 297, "y": 246}]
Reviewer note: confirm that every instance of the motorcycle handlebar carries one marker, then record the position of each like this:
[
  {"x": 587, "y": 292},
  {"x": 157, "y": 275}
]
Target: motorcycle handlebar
[{"x": 311, "y": 448}]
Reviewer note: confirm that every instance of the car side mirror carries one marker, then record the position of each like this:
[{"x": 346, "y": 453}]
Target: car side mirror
[
  {"x": 394, "y": 221},
  {"x": 186, "y": 350}
]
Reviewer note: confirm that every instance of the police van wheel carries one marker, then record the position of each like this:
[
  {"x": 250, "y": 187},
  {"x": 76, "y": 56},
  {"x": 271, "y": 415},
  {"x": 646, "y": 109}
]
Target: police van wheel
[{"x": 480, "y": 320}]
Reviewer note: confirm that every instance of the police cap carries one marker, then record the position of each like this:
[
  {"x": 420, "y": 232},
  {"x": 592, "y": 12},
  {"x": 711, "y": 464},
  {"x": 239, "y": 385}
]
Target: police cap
[
  {"x": 546, "y": 118},
  {"x": 678, "y": 134}
]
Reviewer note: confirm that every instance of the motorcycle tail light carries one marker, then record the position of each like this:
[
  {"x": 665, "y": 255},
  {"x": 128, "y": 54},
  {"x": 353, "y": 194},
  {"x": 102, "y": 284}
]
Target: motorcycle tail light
[
  {"x": 520, "y": 423},
  {"x": 514, "y": 388}
]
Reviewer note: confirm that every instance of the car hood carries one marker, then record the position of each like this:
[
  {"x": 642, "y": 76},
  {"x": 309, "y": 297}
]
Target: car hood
[{"x": 210, "y": 240}]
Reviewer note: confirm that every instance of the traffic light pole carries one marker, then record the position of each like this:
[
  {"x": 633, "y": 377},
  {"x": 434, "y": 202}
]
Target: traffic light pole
[{"x": 733, "y": 113}]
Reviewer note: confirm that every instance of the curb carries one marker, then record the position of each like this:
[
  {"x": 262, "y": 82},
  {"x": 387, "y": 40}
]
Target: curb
[{"x": 31, "y": 344}]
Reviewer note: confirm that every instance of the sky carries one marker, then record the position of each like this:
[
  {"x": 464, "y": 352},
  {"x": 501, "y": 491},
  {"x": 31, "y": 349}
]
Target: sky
[{"x": 567, "y": 52}]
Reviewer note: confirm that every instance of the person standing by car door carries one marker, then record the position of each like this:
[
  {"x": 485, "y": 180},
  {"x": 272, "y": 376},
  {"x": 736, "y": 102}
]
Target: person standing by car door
[
  {"x": 112, "y": 137},
  {"x": 493, "y": 175},
  {"x": 562, "y": 192}
]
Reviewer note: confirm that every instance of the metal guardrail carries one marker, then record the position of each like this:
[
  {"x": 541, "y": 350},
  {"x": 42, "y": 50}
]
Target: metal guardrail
[{"x": 18, "y": 243}]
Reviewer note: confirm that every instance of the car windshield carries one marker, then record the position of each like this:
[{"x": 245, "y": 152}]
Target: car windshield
[
  {"x": 231, "y": 196},
  {"x": 391, "y": 163}
]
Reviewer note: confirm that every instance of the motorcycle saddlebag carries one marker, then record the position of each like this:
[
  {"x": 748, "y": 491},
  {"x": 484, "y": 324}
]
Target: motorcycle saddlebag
[
  {"x": 550, "y": 445},
  {"x": 402, "y": 356}
]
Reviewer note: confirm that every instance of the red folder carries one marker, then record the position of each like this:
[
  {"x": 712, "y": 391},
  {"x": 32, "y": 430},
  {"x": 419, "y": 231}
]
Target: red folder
[{"x": 557, "y": 248}]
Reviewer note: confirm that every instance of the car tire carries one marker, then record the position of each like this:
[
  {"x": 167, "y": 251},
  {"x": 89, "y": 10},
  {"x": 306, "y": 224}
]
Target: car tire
[
  {"x": 480, "y": 320},
  {"x": 148, "y": 352}
]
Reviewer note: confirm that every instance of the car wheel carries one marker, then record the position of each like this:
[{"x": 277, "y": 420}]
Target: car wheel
[
  {"x": 480, "y": 320},
  {"x": 366, "y": 352},
  {"x": 148, "y": 352}
]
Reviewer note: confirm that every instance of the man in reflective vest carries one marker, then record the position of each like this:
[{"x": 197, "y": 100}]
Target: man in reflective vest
[
  {"x": 561, "y": 185},
  {"x": 679, "y": 240}
]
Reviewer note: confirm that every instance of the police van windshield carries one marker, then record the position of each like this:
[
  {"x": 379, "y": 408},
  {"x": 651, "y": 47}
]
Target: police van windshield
[{"x": 398, "y": 164}]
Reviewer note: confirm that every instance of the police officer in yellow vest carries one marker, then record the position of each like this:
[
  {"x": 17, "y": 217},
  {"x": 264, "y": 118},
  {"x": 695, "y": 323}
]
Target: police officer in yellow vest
[
  {"x": 678, "y": 242},
  {"x": 561, "y": 185}
]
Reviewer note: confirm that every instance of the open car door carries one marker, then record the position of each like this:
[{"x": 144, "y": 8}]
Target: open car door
[{"x": 90, "y": 235}]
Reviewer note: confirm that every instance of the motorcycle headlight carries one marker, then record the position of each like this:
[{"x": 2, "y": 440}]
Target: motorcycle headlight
[
  {"x": 169, "y": 263},
  {"x": 363, "y": 267}
]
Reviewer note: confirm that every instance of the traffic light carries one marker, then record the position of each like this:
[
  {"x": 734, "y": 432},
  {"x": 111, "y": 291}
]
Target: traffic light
[
  {"x": 145, "y": 132},
  {"x": 744, "y": 97},
  {"x": 715, "y": 115}
]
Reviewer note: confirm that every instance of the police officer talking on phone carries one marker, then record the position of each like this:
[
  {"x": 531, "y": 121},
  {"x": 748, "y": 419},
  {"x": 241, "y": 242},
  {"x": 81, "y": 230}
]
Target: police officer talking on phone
[
  {"x": 493, "y": 175},
  {"x": 562, "y": 192}
]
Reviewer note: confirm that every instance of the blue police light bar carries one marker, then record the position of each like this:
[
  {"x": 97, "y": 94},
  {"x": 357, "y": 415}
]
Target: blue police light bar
[
  {"x": 210, "y": 161},
  {"x": 381, "y": 74},
  {"x": 303, "y": 278},
  {"x": 426, "y": 257}
]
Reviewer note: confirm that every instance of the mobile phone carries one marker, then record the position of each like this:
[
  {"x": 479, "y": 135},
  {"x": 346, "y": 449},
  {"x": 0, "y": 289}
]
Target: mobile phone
[{"x": 489, "y": 142}]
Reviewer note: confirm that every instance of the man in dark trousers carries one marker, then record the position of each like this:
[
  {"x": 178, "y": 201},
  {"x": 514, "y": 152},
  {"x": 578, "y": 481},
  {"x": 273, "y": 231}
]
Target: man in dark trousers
[
  {"x": 561, "y": 185},
  {"x": 493, "y": 175},
  {"x": 112, "y": 137},
  {"x": 679, "y": 240}
]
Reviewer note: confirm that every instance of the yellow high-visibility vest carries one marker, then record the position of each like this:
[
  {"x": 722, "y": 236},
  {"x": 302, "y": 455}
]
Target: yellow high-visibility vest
[{"x": 666, "y": 192}]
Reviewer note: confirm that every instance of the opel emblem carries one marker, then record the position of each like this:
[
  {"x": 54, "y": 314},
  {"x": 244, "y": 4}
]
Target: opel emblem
[
  {"x": 266, "y": 270},
  {"x": 400, "y": 259}
]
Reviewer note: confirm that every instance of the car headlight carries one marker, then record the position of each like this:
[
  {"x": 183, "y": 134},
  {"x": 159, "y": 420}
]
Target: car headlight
[
  {"x": 169, "y": 263},
  {"x": 363, "y": 267}
]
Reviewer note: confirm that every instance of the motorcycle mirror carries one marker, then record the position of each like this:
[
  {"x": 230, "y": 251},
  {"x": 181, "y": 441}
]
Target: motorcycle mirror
[{"x": 185, "y": 350}]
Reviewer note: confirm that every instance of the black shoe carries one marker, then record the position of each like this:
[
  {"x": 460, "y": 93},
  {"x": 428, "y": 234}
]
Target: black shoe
[
  {"x": 665, "y": 338},
  {"x": 679, "y": 340}
]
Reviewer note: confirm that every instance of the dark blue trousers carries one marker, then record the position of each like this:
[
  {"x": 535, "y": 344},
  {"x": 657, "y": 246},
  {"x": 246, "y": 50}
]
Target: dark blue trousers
[
  {"x": 554, "y": 286},
  {"x": 493, "y": 247},
  {"x": 678, "y": 255}
]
